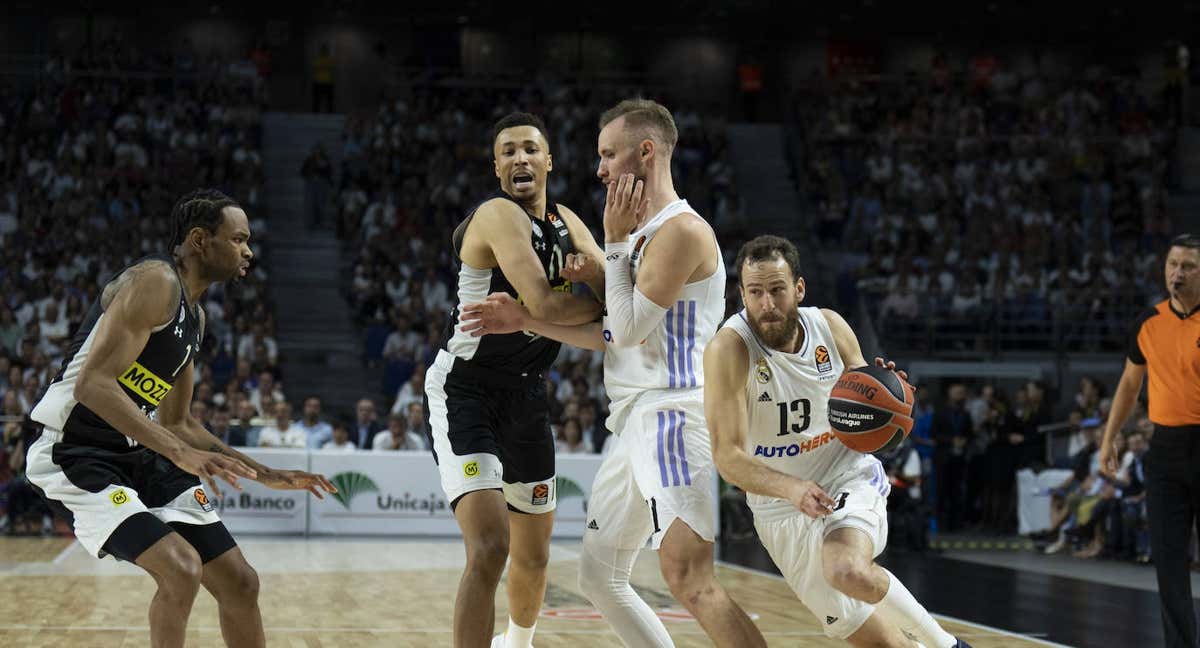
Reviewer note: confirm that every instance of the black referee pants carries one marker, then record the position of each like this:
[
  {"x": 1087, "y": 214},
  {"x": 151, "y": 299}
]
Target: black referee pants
[{"x": 1173, "y": 502}]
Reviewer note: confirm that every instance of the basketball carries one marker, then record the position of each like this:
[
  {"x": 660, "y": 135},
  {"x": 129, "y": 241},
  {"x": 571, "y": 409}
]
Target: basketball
[{"x": 870, "y": 409}]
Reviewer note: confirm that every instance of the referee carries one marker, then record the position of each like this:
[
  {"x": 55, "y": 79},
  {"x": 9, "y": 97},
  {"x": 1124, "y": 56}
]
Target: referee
[{"x": 1165, "y": 344}]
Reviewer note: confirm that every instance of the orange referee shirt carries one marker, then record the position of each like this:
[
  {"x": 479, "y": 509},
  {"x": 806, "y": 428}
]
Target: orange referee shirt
[{"x": 1167, "y": 341}]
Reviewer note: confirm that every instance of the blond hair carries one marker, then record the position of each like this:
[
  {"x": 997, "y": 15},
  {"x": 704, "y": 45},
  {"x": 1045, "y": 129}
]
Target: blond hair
[{"x": 646, "y": 117}]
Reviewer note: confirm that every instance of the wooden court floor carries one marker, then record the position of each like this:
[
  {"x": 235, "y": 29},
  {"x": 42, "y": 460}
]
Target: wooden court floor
[{"x": 358, "y": 594}]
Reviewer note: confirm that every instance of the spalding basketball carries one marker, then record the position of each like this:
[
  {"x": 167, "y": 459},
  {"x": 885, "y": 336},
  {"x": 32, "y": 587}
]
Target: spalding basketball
[{"x": 870, "y": 409}]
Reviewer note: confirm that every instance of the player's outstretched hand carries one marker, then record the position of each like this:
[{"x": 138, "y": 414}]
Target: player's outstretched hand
[
  {"x": 298, "y": 480},
  {"x": 891, "y": 366},
  {"x": 810, "y": 499},
  {"x": 582, "y": 268},
  {"x": 210, "y": 465},
  {"x": 497, "y": 314},
  {"x": 623, "y": 207}
]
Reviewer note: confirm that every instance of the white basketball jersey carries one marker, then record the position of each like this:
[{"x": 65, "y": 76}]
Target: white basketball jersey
[
  {"x": 672, "y": 356},
  {"x": 787, "y": 398}
]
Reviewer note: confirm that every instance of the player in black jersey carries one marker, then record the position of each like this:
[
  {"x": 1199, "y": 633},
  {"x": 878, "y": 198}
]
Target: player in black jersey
[
  {"x": 486, "y": 396},
  {"x": 119, "y": 451}
]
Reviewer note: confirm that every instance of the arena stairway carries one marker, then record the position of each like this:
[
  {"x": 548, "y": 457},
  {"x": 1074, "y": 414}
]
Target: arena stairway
[
  {"x": 774, "y": 205},
  {"x": 320, "y": 348}
]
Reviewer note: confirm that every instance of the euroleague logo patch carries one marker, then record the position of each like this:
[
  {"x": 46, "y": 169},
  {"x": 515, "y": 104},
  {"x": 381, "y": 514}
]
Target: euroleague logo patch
[
  {"x": 637, "y": 248},
  {"x": 202, "y": 500},
  {"x": 822, "y": 357},
  {"x": 541, "y": 494}
]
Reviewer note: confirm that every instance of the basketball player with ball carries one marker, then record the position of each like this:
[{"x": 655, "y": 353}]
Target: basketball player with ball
[{"x": 819, "y": 501}]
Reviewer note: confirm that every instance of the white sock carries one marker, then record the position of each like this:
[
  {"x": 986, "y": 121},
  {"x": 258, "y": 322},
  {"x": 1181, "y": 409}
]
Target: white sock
[
  {"x": 517, "y": 636},
  {"x": 899, "y": 607},
  {"x": 604, "y": 579}
]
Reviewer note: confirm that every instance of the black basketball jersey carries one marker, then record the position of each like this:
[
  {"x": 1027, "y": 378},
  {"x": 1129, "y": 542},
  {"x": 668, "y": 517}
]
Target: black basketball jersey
[
  {"x": 513, "y": 353},
  {"x": 146, "y": 382}
]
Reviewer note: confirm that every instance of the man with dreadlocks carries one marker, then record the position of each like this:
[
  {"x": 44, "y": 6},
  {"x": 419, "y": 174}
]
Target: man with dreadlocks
[{"x": 118, "y": 448}]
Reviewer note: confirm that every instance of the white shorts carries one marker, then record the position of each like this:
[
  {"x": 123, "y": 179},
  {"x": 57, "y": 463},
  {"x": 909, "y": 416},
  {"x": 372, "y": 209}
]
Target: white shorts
[
  {"x": 119, "y": 486},
  {"x": 795, "y": 541},
  {"x": 660, "y": 469}
]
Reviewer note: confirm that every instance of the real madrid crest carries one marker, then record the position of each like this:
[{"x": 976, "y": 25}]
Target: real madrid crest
[{"x": 762, "y": 372}]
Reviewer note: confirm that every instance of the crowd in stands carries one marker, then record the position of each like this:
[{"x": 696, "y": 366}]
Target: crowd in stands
[
  {"x": 959, "y": 468},
  {"x": 90, "y": 167},
  {"x": 411, "y": 171},
  {"x": 987, "y": 196}
]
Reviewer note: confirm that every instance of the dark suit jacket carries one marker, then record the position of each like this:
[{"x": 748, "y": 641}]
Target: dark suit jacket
[{"x": 361, "y": 436}]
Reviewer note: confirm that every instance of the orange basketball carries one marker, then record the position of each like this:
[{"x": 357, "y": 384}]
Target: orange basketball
[{"x": 870, "y": 409}]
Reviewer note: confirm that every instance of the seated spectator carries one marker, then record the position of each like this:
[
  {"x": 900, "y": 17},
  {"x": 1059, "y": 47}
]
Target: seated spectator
[
  {"x": 417, "y": 422},
  {"x": 316, "y": 430},
  {"x": 411, "y": 392},
  {"x": 570, "y": 438},
  {"x": 220, "y": 428},
  {"x": 366, "y": 425},
  {"x": 245, "y": 429},
  {"x": 341, "y": 439},
  {"x": 283, "y": 432},
  {"x": 397, "y": 436},
  {"x": 265, "y": 390},
  {"x": 594, "y": 432}
]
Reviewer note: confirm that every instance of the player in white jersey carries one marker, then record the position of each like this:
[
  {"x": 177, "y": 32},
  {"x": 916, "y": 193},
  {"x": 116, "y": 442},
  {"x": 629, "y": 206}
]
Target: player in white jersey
[
  {"x": 657, "y": 483},
  {"x": 819, "y": 507}
]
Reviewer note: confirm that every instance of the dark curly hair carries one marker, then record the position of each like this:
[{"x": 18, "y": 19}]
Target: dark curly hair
[{"x": 199, "y": 208}]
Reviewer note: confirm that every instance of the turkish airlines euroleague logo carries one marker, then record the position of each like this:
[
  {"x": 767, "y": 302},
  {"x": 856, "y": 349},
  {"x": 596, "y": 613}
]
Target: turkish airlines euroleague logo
[
  {"x": 821, "y": 355},
  {"x": 202, "y": 500},
  {"x": 541, "y": 494}
]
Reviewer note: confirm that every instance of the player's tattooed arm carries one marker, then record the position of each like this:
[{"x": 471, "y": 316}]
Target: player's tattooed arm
[
  {"x": 726, "y": 370},
  {"x": 142, "y": 299},
  {"x": 499, "y": 235}
]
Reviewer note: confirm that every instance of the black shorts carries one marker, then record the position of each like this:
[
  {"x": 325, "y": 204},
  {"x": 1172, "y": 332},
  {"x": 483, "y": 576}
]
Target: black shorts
[
  {"x": 122, "y": 502},
  {"x": 491, "y": 431}
]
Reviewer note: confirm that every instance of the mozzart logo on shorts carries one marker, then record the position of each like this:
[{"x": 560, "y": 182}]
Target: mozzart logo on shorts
[
  {"x": 119, "y": 497},
  {"x": 351, "y": 484},
  {"x": 471, "y": 469}
]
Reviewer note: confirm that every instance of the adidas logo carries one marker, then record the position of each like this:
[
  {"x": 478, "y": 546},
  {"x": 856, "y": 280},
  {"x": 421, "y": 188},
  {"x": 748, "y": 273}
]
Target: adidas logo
[
  {"x": 593, "y": 526},
  {"x": 830, "y": 620},
  {"x": 765, "y": 398}
]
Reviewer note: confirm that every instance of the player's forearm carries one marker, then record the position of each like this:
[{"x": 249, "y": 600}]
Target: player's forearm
[
  {"x": 110, "y": 403},
  {"x": 200, "y": 438},
  {"x": 584, "y": 336},
  {"x": 751, "y": 475},
  {"x": 565, "y": 308}
]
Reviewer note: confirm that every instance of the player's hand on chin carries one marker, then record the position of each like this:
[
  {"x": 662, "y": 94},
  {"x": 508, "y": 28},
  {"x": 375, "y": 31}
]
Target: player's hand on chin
[
  {"x": 582, "y": 268},
  {"x": 499, "y": 313},
  {"x": 811, "y": 499},
  {"x": 623, "y": 207},
  {"x": 891, "y": 366}
]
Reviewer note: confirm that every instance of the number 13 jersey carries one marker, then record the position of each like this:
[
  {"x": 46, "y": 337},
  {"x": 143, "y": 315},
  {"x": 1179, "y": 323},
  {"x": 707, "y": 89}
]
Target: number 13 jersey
[{"x": 787, "y": 400}]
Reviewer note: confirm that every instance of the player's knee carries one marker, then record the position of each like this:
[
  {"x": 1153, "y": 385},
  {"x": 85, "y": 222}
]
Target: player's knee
[
  {"x": 847, "y": 574},
  {"x": 687, "y": 582},
  {"x": 531, "y": 559},
  {"x": 180, "y": 573},
  {"x": 597, "y": 580},
  {"x": 487, "y": 555},
  {"x": 242, "y": 585}
]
